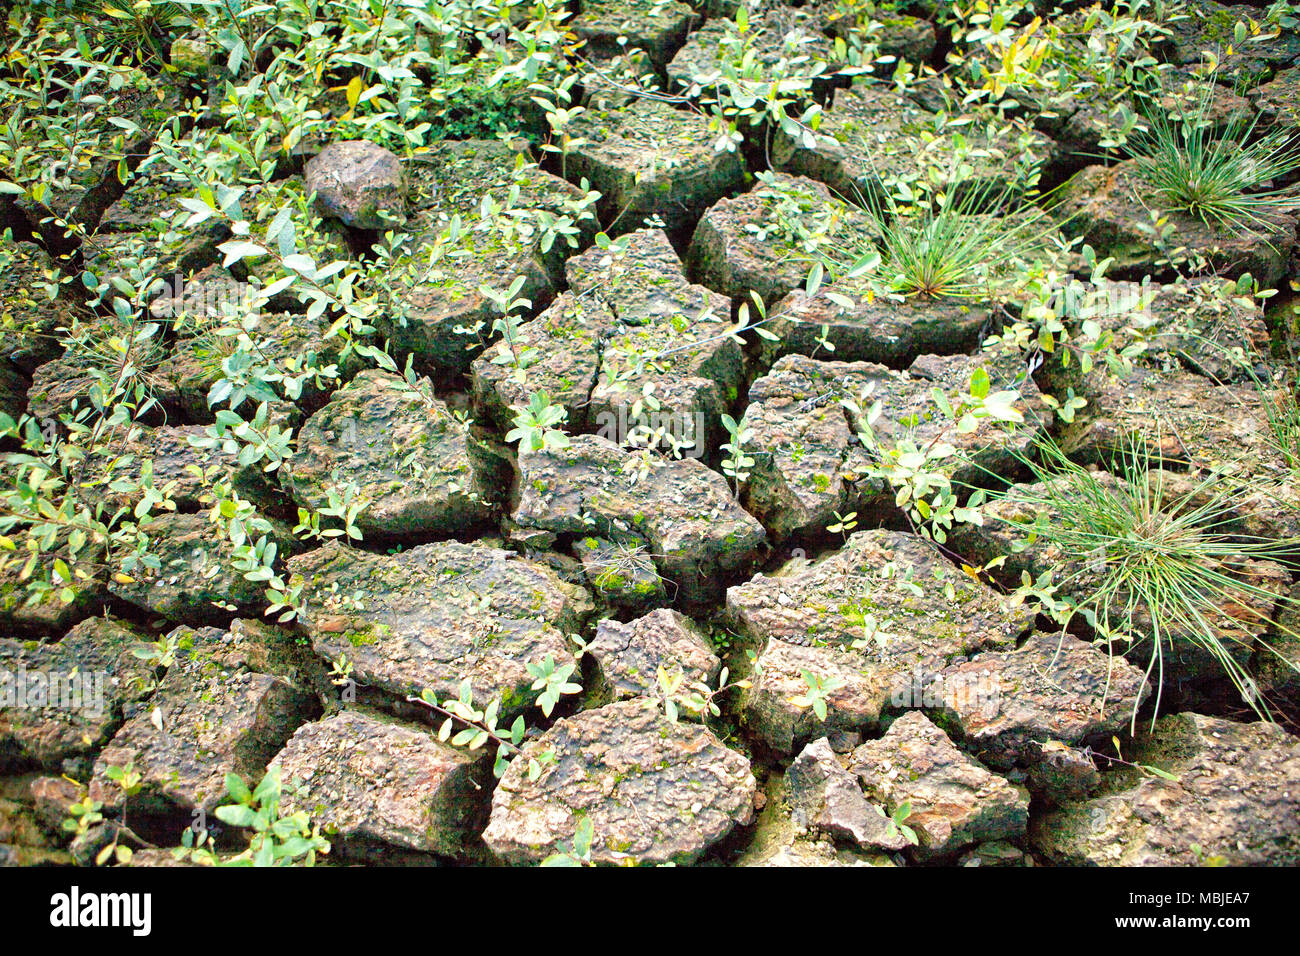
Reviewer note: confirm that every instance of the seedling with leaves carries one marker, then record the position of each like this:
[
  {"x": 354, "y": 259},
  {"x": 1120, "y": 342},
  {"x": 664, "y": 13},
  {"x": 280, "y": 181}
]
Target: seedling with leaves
[
  {"x": 278, "y": 839},
  {"x": 819, "y": 689},
  {"x": 697, "y": 697},
  {"x": 536, "y": 424},
  {"x": 738, "y": 463},
  {"x": 481, "y": 727},
  {"x": 578, "y": 852},
  {"x": 895, "y": 823},
  {"x": 553, "y": 682}
]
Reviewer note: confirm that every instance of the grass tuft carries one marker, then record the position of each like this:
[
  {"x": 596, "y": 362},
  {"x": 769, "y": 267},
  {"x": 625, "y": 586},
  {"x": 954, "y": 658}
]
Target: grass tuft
[
  {"x": 1150, "y": 569},
  {"x": 1213, "y": 171}
]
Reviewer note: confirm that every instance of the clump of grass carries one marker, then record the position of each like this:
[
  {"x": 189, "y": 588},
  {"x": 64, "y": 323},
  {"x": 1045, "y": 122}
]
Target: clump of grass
[
  {"x": 951, "y": 252},
  {"x": 952, "y": 247},
  {"x": 1149, "y": 568},
  {"x": 1281, "y": 405},
  {"x": 1215, "y": 172}
]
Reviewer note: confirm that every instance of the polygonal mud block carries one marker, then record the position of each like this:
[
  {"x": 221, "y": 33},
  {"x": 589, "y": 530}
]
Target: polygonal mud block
[
  {"x": 650, "y": 159},
  {"x": 210, "y": 716},
  {"x": 954, "y": 801},
  {"x": 420, "y": 468},
  {"x": 873, "y": 133},
  {"x": 845, "y": 619},
  {"x": 672, "y": 342},
  {"x": 681, "y": 510},
  {"x": 434, "y": 615},
  {"x": 62, "y": 700},
  {"x": 656, "y": 26},
  {"x": 1233, "y": 798},
  {"x": 196, "y": 581},
  {"x": 372, "y": 782},
  {"x": 1111, "y": 209},
  {"x": 749, "y": 243},
  {"x": 654, "y": 791}
]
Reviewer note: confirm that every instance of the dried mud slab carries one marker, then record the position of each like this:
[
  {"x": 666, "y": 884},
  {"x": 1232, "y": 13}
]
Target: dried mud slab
[
  {"x": 776, "y": 34},
  {"x": 296, "y": 343},
  {"x": 557, "y": 353},
  {"x": 13, "y": 391},
  {"x": 196, "y": 581},
  {"x": 672, "y": 340},
  {"x": 629, "y": 655},
  {"x": 91, "y": 187},
  {"x": 373, "y": 782},
  {"x": 59, "y": 718},
  {"x": 420, "y": 468},
  {"x": 955, "y": 801},
  {"x": 30, "y": 320},
  {"x": 809, "y": 460},
  {"x": 211, "y": 715},
  {"x": 806, "y": 617},
  {"x": 1110, "y": 208},
  {"x": 827, "y": 799},
  {"x": 45, "y": 613},
  {"x": 1211, "y": 26},
  {"x": 62, "y": 386},
  {"x": 438, "y": 294},
  {"x": 898, "y": 35},
  {"x": 147, "y": 223},
  {"x": 177, "y": 466},
  {"x": 1235, "y": 800},
  {"x": 649, "y": 159},
  {"x": 681, "y": 510},
  {"x": 1276, "y": 667},
  {"x": 655, "y": 791},
  {"x": 430, "y": 616},
  {"x": 872, "y": 329},
  {"x": 1054, "y": 687},
  {"x": 357, "y": 182},
  {"x": 1176, "y": 418},
  {"x": 1278, "y": 100},
  {"x": 1201, "y": 325},
  {"x": 873, "y": 133},
  {"x": 658, "y": 28},
  {"x": 745, "y": 244}
]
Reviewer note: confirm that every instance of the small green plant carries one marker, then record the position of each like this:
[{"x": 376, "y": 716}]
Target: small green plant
[
  {"x": 698, "y": 697},
  {"x": 578, "y": 852},
  {"x": 479, "y": 727},
  {"x": 553, "y": 681},
  {"x": 738, "y": 463},
  {"x": 160, "y": 653},
  {"x": 623, "y": 563},
  {"x": 843, "y": 524},
  {"x": 536, "y": 424},
  {"x": 895, "y": 823},
  {"x": 278, "y": 839},
  {"x": 920, "y": 471},
  {"x": 819, "y": 689},
  {"x": 87, "y": 814}
]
